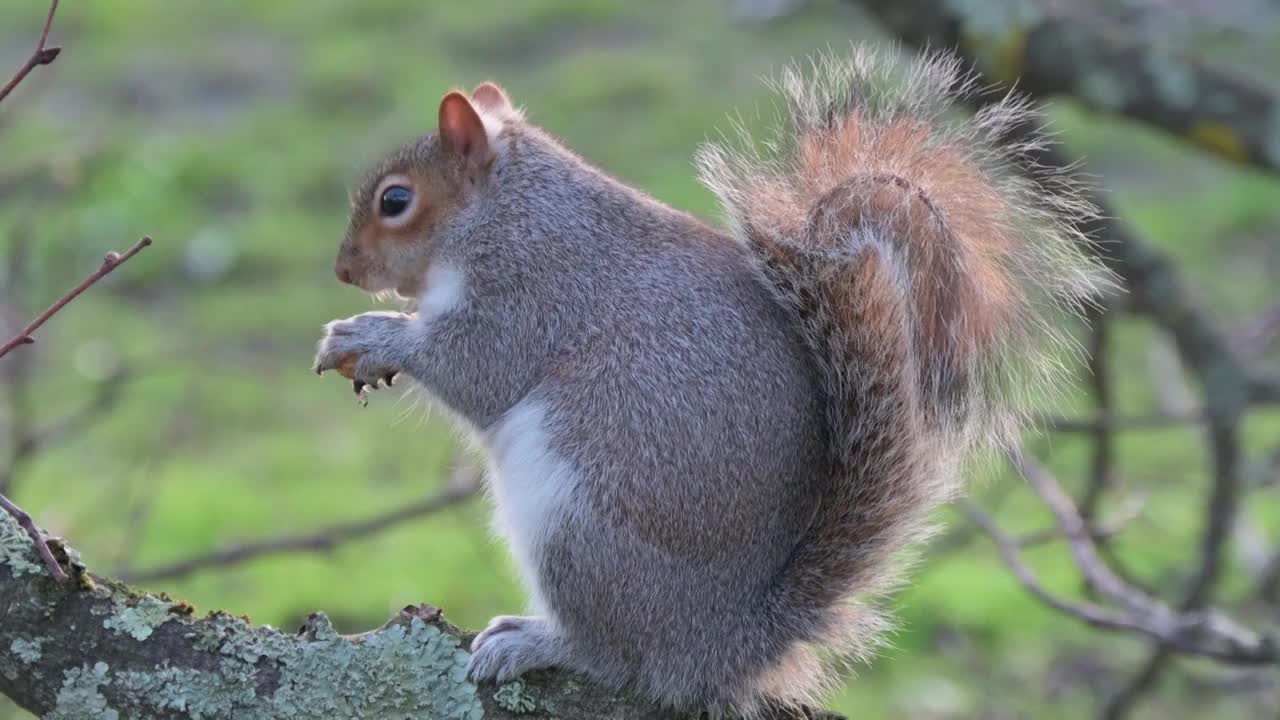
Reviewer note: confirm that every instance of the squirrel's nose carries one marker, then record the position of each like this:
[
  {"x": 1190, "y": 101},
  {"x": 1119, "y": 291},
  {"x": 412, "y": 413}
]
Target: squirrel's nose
[{"x": 343, "y": 274}]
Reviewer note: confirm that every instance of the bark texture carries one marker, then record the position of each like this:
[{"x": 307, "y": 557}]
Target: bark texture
[{"x": 93, "y": 648}]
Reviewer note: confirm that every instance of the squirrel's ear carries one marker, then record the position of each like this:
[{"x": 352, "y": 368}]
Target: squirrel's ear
[
  {"x": 491, "y": 98},
  {"x": 462, "y": 132}
]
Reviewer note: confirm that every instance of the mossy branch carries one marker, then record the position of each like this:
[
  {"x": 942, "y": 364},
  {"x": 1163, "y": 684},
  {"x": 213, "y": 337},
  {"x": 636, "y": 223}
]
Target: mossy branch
[{"x": 93, "y": 648}]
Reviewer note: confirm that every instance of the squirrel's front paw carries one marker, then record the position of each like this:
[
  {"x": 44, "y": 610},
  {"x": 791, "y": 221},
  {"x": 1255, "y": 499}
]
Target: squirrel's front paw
[{"x": 362, "y": 348}]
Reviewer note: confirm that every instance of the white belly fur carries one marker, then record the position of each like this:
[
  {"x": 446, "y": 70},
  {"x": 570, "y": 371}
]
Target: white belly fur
[{"x": 532, "y": 487}]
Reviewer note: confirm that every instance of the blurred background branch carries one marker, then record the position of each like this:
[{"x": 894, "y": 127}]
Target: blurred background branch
[
  {"x": 464, "y": 485},
  {"x": 1060, "y": 48}
]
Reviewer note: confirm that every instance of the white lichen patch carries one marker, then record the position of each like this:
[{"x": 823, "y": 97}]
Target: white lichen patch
[
  {"x": 412, "y": 670},
  {"x": 16, "y": 551},
  {"x": 139, "y": 621},
  {"x": 193, "y": 693},
  {"x": 515, "y": 698},
  {"x": 79, "y": 697},
  {"x": 28, "y": 651}
]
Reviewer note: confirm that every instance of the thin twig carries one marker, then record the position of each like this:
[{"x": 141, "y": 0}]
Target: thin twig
[
  {"x": 1203, "y": 634},
  {"x": 1099, "y": 531},
  {"x": 42, "y": 545},
  {"x": 41, "y": 56},
  {"x": 28, "y": 442},
  {"x": 1074, "y": 528},
  {"x": 1241, "y": 646},
  {"x": 464, "y": 485},
  {"x": 112, "y": 261},
  {"x": 1223, "y": 504}
]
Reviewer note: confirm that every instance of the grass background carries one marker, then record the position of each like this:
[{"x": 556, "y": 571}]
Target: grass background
[{"x": 231, "y": 132}]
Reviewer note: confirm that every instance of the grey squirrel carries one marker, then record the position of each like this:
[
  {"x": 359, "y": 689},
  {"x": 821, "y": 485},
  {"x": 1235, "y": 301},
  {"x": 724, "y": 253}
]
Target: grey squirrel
[{"x": 711, "y": 451}]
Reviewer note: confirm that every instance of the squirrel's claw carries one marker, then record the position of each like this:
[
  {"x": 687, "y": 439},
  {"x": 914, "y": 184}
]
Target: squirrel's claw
[
  {"x": 356, "y": 348},
  {"x": 361, "y": 390}
]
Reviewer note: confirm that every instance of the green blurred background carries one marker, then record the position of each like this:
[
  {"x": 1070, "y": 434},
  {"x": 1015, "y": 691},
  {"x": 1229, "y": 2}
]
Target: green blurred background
[{"x": 232, "y": 131}]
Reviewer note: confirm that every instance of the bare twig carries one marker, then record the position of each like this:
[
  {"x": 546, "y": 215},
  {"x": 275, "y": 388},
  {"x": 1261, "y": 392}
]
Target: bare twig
[
  {"x": 106, "y": 395},
  {"x": 42, "y": 545},
  {"x": 1074, "y": 528},
  {"x": 1223, "y": 504},
  {"x": 1098, "y": 531},
  {"x": 1010, "y": 549},
  {"x": 41, "y": 56},
  {"x": 464, "y": 485},
  {"x": 1186, "y": 632},
  {"x": 1201, "y": 632},
  {"x": 27, "y": 442},
  {"x": 112, "y": 261}
]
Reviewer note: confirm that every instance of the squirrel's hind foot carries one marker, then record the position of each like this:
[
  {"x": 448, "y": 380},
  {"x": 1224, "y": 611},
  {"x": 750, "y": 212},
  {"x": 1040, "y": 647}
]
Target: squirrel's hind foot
[{"x": 511, "y": 646}]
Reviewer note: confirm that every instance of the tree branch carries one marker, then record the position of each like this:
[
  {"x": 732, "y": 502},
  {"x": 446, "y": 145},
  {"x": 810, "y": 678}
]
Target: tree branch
[
  {"x": 37, "y": 538},
  {"x": 27, "y": 445},
  {"x": 94, "y": 648},
  {"x": 41, "y": 56},
  {"x": 28, "y": 442},
  {"x": 1202, "y": 632},
  {"x": 463, "y": 486},
  {"x": 1049, "y": 48},
  {"x": 1223, "y": 503},
  {"x": 112, "y": 261},
  {"x": 1100, "y": 477}
]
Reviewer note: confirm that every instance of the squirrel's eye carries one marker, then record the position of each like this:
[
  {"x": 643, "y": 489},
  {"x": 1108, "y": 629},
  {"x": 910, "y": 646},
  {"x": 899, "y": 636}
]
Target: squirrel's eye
[{"x": 394, "y": 200}]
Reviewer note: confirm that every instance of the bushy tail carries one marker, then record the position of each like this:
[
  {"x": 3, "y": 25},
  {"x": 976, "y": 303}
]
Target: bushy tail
[{"x": 926, "y": 259}]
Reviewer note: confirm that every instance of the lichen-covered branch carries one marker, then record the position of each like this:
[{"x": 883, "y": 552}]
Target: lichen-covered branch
[
  {"x": 38, "y": 541},
  {"x": 95, "y": 649},
  {"x": 1052, "y": 49}
]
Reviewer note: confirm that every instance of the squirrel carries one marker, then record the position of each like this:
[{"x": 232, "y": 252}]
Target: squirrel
[{"x": 712, "y": 452}]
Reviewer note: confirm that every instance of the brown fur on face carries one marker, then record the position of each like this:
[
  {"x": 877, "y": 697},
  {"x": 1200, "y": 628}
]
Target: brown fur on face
[
  {"x": 440, "y": 169},
  {"x": 381, "y": 253}
]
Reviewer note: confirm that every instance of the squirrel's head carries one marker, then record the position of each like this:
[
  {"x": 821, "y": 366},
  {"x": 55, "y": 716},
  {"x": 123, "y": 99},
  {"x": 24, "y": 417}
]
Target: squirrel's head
[{"x": 419, "y": 188}]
